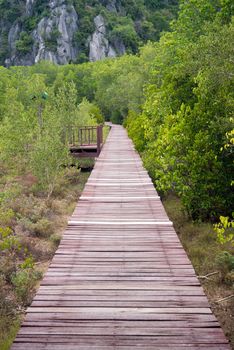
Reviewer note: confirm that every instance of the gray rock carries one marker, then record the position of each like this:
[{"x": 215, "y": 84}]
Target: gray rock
[
  {"x": 62, "y": 24},
  {"x": 53, "y": 36},
  {"x": 111, "y": 52},
  {"x": 65, "y": 21},
  {"x": 111, "y": 6},
  {"x": 13, "y": 35},
  {"x": 29, "y": 7},
  {"x": 119, "y": 46},
  {"x": 100, "y": 24},
  {"x": 56, "y": 3},
  {"x": 99, "y": 46}
]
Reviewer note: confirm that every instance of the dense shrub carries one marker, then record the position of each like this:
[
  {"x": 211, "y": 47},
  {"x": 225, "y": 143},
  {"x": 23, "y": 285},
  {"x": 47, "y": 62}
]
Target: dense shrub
[{"x": 187, "y": 112}]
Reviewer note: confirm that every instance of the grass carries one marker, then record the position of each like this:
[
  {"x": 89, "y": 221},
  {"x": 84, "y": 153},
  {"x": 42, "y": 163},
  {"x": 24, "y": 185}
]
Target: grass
[
  {"x": 198, "y": 238},
  {"x": 199, "y": 241},
  {"x": 106, "y": 130},
  {"x": 86, "y": 164},
  {"x": 8, "y": 330}
]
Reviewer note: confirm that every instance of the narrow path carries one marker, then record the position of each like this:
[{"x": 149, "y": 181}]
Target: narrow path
[{"x": 120, "y": 278}]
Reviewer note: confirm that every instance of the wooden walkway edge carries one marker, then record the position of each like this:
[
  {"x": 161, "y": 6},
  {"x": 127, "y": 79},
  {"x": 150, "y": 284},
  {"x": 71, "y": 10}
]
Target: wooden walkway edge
[{"x": 120, "y": 278}]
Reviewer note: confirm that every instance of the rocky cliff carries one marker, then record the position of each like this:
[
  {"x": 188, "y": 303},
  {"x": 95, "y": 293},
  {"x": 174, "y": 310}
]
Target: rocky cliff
[
  {"x": 64, "y": 31},
  {"x": 52, "y": 39}
]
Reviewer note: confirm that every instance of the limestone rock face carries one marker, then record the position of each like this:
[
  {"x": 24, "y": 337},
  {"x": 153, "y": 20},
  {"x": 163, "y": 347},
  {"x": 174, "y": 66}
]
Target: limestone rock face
[
  {"x": 62, "y": 24},
  {"x": 99, "y": 46},
  {"x": 111, "y": 6},
  {"x": 75, "y": 31},
  {"x": 54, "y": 36},
  {"x": 29, "y": 7}
]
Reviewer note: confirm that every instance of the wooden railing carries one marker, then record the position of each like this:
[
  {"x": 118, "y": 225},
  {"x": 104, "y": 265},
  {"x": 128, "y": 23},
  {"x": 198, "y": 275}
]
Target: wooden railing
[{"x": 84, "y": 141}]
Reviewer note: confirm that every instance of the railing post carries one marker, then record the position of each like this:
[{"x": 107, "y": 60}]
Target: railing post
[
  {"x": 80, "y": 132},
  {"x": 89, "y": 132},
  {"x": 73, "y": 136},
  {"x": 99, "y": 139},
  {"x": 101, "y": 126}
]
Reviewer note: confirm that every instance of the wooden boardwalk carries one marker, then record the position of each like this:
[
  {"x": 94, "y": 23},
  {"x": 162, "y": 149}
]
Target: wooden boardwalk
[{"x": 120, "y": 278}]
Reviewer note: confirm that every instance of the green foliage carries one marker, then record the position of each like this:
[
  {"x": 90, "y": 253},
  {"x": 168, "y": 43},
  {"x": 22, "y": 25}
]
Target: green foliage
[
  {"x": 19, "y": 127},
  {"x": 28, "y": 263},
  {"x": 96, "y": 113},
  {"x": 30, "y": 23},
  {"x": 51, "y": 40},
  {"x": 6, "y": 217},
  {"x": 137, "y": 126},
  {"x": 43, "y": 228},
  {"x": 119, "y": 83},
  {"x": 8, "y": 195},
  {"x": 9, "y": 326},
  {"x": 11, "y": 248},
  {"x": 225, "y": 264},
  {"x": 32, "y": 128},
  {"x": 37, "y": 227},
  {"x": 47, "y": 160},
  {"x": 133, "y": 8},
  {"x": 24, "y": 281},
  {"x": 82, "y": 57},
  {"x": 86, "y": 28},
  {"x": 10, "y": 11},
  {"x": 178, "y": 95},
  {"x": 225, "y": 230},
  {"x": 55, "y": 239},
  {"x": 189, "y": 102},
  {"x": 229, "y": 145},
  {"x": 8, "y": 241},
  {"x": 124, "y": 29},
  {"x": 24, "y": 44}
]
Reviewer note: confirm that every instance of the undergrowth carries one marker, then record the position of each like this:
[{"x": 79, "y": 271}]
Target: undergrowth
[{"x": 208, "y": 256}]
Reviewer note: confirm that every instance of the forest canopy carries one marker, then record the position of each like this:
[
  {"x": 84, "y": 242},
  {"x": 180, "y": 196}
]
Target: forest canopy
[{"x": 175, "y": 97}]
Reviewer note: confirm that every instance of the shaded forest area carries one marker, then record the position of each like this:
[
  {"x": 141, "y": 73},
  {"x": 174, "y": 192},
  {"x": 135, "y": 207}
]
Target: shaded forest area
[{"x": 175, "y": 98}]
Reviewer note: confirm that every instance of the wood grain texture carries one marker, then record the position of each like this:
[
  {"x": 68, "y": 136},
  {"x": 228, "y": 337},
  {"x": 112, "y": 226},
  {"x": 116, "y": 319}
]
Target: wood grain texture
[{"x": 120, "y": 278}]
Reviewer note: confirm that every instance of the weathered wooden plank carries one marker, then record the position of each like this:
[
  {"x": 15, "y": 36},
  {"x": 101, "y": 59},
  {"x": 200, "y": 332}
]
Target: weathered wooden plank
[
  {"x": 72, "y": 346},
  {"x": 118, "y": 304},
  {"x": 130, "y": 317},
  {"x": 199, "y": 333},
  {"x": 122, "y": 340},
  {"x": 113, "y": 311},
  {"x": 126, "y": 324},
  {"x": 120, "y": 279}
]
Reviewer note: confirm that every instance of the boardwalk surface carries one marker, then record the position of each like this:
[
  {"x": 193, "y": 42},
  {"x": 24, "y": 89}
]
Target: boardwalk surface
[{"x": 120, "y": 278}]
